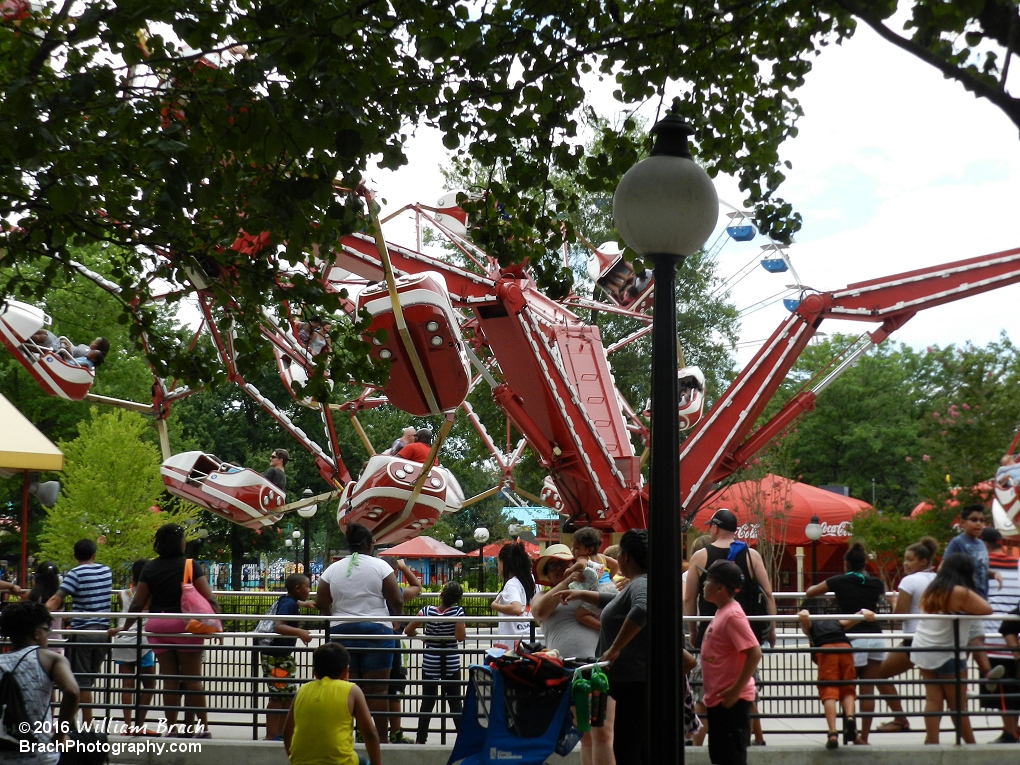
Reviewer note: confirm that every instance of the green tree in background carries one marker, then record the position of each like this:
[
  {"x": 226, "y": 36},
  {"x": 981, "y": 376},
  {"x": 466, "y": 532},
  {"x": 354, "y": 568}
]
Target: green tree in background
[{"x": 110, "y": 481}]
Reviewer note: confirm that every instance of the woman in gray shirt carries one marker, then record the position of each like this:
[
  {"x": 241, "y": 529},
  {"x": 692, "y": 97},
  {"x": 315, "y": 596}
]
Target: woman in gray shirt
[
  {"x": 562, "y": 630},
  {"x": 623, "y": 642}
]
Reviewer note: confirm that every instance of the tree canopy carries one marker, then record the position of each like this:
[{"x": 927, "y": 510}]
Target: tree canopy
[{"x": 168, "y": 127}]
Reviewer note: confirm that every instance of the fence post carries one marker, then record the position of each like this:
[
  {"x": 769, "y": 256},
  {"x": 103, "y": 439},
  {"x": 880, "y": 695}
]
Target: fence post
[
  {"x": 255, "y": 670},
  {"x": 958, "y": 722},
  {"x": 138, "y": 671}
]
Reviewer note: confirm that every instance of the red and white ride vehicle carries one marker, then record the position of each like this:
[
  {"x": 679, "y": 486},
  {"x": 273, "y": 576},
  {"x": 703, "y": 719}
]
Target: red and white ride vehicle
[
  {"x": 56, "y": 371},
  {"x": 382, "y": 499},
  {"x": 434, "y": 332},
  {"x": 238, "y": 494}
]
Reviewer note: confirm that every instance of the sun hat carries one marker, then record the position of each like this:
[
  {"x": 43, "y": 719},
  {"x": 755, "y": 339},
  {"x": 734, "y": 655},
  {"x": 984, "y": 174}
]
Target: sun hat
[{"x": 552, "y": 552}]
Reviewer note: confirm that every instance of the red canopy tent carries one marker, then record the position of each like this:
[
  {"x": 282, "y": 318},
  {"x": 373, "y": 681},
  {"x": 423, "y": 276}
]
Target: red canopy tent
[
  {"x": 422, "y": 547},
  {"x": 786, "y": 507},
  {"x": 492, "y": 550}
]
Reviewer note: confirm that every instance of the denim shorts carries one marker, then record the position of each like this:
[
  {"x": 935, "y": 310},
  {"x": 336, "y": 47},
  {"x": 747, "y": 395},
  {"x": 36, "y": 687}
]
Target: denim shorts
[
  {"x": 952, "y": 667},
  {"x": 381, "y": 657}
]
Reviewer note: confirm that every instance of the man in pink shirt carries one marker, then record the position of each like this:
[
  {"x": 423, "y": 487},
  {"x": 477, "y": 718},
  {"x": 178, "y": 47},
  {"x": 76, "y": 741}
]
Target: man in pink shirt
[{"x": 729, "y": 655}]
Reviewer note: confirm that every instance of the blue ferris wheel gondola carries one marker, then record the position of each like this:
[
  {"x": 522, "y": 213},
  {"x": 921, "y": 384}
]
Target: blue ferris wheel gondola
[
  {"x": 774, "y": 265},
  {"x": 743, "y": 233},
  {"x": 791, "y": 304}
]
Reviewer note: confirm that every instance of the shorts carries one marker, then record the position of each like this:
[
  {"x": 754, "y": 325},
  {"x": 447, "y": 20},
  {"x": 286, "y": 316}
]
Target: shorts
[
  {"x": 166, "y": 640},
  {"x": 868, "y": 649},
  {"x": 279, "y": 669},
  {"x": 951, "y": 668},
  {"x": 86, "y": 653},
  {"x": 1007, "y": 697},
  {"x": 834, "y": 667},
  {"x": 397, "y": 674},
  {"x": 148, "y": 660},
  {"x": 381, "y": 655}
]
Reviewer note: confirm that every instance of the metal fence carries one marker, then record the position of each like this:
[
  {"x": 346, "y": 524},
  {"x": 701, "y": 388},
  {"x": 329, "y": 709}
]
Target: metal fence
[{"x": 237, "y": 693}]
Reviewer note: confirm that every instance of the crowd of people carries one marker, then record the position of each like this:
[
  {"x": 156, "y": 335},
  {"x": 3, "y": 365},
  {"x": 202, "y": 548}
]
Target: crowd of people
[{"x": 587, "y": 604}]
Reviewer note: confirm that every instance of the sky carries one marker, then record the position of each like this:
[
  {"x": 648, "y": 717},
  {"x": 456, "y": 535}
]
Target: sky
[{"x": 894, "y": 168}]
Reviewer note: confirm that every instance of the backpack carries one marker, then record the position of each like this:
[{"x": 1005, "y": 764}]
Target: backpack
[
  {"x": 15, "y": 725},
  {"x": 531, "y": 671},
  {"x": 751, "y": 596},
  {"x": 267, "y": 625}
]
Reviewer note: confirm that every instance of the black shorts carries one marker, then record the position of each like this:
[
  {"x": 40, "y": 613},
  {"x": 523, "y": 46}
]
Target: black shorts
[
  {"x": 86, "y": 652},
  {"x": 1007, "y": 696},
  {"x": 398, "y": 675}
]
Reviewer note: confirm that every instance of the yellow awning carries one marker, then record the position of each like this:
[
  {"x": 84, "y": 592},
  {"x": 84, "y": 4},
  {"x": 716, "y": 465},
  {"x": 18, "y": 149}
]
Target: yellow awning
[{"x": 22, "y": 446}]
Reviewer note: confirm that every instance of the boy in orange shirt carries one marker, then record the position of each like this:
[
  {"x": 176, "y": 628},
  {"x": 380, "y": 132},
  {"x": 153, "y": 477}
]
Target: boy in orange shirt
[{"x": 729, "y": 655}]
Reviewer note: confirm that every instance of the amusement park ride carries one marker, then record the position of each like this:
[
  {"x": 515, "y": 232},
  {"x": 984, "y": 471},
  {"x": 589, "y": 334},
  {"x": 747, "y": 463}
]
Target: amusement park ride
[{"x": 449, "y": 327}]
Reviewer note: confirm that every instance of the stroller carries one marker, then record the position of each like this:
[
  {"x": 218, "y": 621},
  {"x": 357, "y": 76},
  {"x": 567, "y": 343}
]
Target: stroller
[{"x": 516, "y": 709}]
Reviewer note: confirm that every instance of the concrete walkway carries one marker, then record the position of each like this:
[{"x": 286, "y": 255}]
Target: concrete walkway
[{"x": 267, "y": 753}]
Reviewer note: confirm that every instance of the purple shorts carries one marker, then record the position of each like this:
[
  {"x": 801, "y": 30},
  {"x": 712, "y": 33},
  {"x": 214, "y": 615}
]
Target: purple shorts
[{"x": 166, "y": 640}]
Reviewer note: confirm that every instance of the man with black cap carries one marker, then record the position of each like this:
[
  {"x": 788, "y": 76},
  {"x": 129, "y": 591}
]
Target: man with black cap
[
  {"x": 729, "y": 656},
  {"x": 722, "y": 527}
]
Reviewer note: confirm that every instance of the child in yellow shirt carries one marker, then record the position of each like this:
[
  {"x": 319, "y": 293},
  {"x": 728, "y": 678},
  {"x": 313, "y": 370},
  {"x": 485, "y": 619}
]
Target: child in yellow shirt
[{"x": 320, "y": 724}]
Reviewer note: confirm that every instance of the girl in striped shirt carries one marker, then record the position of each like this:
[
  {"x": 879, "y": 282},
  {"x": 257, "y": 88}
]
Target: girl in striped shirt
[{"x": 440, "y": 661}]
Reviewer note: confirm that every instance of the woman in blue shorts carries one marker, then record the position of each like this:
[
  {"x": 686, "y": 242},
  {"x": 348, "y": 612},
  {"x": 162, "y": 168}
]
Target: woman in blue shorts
[
  {"x": 364, "y": 591},
  {"x": 950, "y": 592}
]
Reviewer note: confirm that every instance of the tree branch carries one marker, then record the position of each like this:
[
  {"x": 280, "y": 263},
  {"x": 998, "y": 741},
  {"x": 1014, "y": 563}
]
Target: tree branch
[{"x": 999, "y": 97}]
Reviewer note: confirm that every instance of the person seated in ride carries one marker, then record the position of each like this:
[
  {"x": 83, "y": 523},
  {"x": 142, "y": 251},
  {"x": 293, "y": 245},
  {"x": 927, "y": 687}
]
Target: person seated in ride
[
  {"x": 406, "y": 439},
  {"x": 99, "y": 344},
  {"x": 313, "y": 334},
  {"x": 419, "y": 450},
  {"x": 46, "y": 339},
  {"x": 1008, "y": 473},
  {"x": 92, "y": 358}
]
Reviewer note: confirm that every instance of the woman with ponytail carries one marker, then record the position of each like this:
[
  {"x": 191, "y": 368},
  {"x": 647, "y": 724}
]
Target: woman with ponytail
[
  {"x": 514, "y": 598},
  {"x": 855, "y": 591},
  {"x": 950, "y": 592},
  {"x": 919, "y": 571}
]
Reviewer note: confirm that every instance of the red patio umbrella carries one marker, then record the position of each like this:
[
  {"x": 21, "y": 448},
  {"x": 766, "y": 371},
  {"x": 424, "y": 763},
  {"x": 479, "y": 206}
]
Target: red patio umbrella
[
  {"x": 492, "y": 550},
  {"x": 787, "y": 507}
]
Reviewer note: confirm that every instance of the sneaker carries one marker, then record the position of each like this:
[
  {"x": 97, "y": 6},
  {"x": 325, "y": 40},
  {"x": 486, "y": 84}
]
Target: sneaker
[
  {"x": 1004, "y": 738},
  {"x": 398, "y": 737},
  {"x": 995, "y": 674},
  {"x": 849, "y": 731}
]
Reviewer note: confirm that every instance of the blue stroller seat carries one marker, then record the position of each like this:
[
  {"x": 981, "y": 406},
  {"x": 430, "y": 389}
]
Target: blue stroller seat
[{"x": 503, "y": 724}]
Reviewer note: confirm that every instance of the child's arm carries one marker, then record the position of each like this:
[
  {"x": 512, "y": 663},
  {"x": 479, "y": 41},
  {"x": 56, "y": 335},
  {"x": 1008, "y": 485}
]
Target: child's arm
[
  {"x": 867, "y": 615},
  {"x": 411, "y": 629},
  {"x": 590, "y": 597},
  {"x": 286, "y": 629},
  {"x": 413, "y": 588},
  {"x": 460, "y": 629},
  {"x": 805, "y": 622},
  {"x": 689, "y": 661},
  {"x": 732, "y": 695},
  {"x": 612, "y": 565},
  {"x": 358, "y": 708},
  {"x": 587, "y": 618}
]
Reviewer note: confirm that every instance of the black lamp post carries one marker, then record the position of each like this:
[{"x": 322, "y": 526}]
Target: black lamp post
[
  {"x": 481, "y": 536},
  {"x": 665, "y": 208},
  {"x": 813, "y": 531}
]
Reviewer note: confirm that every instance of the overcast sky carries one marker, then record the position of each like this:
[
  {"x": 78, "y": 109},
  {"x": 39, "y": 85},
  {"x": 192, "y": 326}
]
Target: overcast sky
[{"x": 894, "y": 169}]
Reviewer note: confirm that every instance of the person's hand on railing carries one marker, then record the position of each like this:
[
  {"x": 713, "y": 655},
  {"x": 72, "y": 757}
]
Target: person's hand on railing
[
  {"x": 305, "y": 636},
  {"x": 113, "y": 632}
]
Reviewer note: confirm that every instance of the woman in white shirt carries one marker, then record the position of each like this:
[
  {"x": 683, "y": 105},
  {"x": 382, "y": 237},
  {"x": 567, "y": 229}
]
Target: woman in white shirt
[
  {"x": 364, "y": 588},
  {"x": 944, "y": 641},
  {"x": 919, "y": 571},
  {"x": 514, "y": 599}
]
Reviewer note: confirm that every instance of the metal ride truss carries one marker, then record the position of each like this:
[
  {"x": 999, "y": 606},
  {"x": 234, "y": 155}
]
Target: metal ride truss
[{"x": 549, "y": 371}]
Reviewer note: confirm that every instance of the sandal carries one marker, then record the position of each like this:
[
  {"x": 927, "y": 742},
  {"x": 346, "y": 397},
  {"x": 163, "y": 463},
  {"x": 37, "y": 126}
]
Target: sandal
[
  {"x": 849, "y": 731},
  {"x": 833, "y": 740},
  {"x": 894, "y": 726}
]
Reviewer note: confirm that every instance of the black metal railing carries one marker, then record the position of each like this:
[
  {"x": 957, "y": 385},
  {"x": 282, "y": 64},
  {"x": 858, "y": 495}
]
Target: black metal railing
[{"x": 236, "y": 691}]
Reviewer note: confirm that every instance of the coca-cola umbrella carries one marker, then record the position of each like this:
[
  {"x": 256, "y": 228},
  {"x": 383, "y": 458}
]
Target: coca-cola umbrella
[{"x": 782, "y": 508}]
